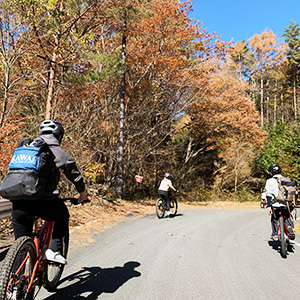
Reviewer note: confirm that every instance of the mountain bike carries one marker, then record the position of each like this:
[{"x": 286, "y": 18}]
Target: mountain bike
[
  {"x": 263, "y": 203},
  {"x": 25, "y": 267},
  {"x": 161, "y": 207},
  {"x": 282, "y": 233}
]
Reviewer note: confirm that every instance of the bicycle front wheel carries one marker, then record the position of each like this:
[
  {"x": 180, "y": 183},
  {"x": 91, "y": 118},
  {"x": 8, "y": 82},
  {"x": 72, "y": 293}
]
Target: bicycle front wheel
[
  {"x": 283, "y": 241},
  {"x": 173, "y": 207},
  {"x": 160, "y": 208},
  {"x": 53, "y": 271},
  {"x": 17, "y": 270},
  {"x": 294, "y": 216}
]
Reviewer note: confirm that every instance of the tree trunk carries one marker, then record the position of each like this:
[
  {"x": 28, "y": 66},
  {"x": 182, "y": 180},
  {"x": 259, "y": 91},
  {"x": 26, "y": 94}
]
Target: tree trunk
[
  {"x": 295, "y": 97},
  {"x": 5, "y": 97},
  {"x": 122, "y": 113},
  {"x": 275, "y": 110},
  {"x": 51, "y": 83},
  {"x": 236, "y": 171},
  {"x": 275, "y": 104},
  {"x": 267, "y": 102},
  {"x": 261, "y": 101},
  {"x": 282, "y": 107}
]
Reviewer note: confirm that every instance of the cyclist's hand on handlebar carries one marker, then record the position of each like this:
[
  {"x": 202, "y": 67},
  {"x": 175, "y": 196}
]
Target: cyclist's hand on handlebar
[
  {"x": 270, "y": 212},
  {"x": 75, "y": 201}
]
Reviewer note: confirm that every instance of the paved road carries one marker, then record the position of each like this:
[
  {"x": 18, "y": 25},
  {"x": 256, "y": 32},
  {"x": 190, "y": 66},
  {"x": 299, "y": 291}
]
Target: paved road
[{"x": 200, "y": 254}]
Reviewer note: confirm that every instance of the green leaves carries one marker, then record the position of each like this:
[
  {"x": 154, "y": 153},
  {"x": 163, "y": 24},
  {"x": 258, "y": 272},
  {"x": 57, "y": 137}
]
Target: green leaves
[
  {"x": 283, "y": 148},
  {"x": 292, "y": 37}
]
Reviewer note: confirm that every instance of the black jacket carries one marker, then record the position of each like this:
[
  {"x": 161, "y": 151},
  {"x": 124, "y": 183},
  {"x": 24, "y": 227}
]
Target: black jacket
[{"x": 62, "y": 161}]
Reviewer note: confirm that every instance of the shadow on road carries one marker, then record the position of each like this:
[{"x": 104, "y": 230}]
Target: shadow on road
[
  {"x": 3, "y": 253},
  {"x": 276, "y": 246},
  {"x": 177, "y": 215},
  {"x": 4, "y": 246},
  {"x": 89, "y": 283}
]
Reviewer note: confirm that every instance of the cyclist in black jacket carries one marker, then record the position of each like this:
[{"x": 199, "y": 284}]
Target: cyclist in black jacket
[{"x": 50, "y": 207}]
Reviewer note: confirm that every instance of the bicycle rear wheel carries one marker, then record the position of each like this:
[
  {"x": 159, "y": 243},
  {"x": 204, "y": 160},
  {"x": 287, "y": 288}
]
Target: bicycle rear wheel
[
  {"x": 160, "y": 208},
  {"x": 283, "y": 241},
  {"x": 17, "y": 270},
  {"x": 173, "y": 207},
  {"x": 53, "y": 271}
]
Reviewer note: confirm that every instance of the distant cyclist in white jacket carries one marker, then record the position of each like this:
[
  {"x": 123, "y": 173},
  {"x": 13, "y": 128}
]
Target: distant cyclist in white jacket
[
  {"x": 163, "y": 190},
  {"x": 271, "y": 189}
]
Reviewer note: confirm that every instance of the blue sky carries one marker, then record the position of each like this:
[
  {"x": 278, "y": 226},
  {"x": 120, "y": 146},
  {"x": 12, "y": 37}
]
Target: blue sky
[{"x": 240, "y": 20}]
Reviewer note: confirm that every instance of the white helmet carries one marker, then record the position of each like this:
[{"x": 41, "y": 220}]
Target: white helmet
[{"x": 52, "y": 127}]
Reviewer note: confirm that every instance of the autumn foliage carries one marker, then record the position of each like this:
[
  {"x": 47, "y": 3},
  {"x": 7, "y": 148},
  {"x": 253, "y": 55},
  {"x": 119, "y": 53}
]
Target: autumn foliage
[
  {"x": 10, "y": 135},
  {"x": 195, "y": 106}
]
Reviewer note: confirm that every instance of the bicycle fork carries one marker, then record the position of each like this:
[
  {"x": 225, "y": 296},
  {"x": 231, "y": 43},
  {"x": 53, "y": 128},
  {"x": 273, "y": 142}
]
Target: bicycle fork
[{"x": 284, "y": 230}]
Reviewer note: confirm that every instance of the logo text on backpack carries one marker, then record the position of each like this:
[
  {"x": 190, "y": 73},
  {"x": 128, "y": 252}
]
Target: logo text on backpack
[{"x": 23, "y": 159}]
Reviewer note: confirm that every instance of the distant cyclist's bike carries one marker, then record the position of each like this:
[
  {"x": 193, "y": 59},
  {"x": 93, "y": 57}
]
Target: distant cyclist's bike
[
  {"x": 161, "y": 207},
  {"x": 263, "y": 203},
  {"x": 25, "y": 267}
]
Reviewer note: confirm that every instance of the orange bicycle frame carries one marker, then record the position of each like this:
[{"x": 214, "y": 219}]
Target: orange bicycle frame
[{"x": 42, "y": 240}]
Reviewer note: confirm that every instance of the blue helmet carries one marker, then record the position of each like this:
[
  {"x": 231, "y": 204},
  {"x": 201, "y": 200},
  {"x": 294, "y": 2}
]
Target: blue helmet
[{"x": 167, "y": 175}]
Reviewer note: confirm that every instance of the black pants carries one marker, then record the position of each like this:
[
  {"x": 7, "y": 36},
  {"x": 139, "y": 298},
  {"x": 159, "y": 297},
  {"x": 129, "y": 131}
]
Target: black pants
[
  {"x": 49, "y": 210},
  {"x": 165, "y": 195},
  {"x": 275, "y": 218}
]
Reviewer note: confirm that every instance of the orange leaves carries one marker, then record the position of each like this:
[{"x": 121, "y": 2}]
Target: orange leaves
[
  {"x": 11, "y": 134},
  {"x": 241, "y": 58},
  {"x": 267, "y": 50},
  {"x": 164, "y": 38},
  {"x": 227, "y": 112},
  {"x": 227, "y": 120}
]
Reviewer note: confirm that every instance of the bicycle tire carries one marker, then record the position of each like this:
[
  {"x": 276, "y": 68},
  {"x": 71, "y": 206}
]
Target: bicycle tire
[
  {"x": 53, "y": 271},
  {"x": 17, "y": 284},
  {"x": 283, "y": 241},
  {"x": 160, "y": 208},
  {"x": 173, "y": 207}
]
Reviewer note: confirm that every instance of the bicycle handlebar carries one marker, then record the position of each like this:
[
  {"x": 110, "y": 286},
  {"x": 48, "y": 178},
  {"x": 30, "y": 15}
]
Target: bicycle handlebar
[{"x": 75, "y": 200}]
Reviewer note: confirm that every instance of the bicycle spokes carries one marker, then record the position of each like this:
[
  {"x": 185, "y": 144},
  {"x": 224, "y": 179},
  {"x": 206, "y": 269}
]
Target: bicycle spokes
[
  {"x": 160, "y": 208},
  {"x": 17, "y": 288},
  {"x": 17, "y": 271},
  {"x": 18, "y": 284}
]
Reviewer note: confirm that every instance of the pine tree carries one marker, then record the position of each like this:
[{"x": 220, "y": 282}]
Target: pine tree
[{"x": 292, "y": 37}]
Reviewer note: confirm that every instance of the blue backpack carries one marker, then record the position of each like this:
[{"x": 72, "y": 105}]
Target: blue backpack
[{"x": 29, "y": 168}]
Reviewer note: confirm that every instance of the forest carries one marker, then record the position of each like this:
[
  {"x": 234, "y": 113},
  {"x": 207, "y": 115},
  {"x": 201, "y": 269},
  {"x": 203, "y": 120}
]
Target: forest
[{"x": 143, "y": 89}]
